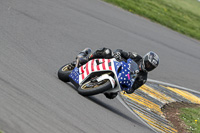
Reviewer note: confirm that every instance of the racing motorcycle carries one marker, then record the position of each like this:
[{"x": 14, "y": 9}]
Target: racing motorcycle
[{"x": 100, "y": 76}]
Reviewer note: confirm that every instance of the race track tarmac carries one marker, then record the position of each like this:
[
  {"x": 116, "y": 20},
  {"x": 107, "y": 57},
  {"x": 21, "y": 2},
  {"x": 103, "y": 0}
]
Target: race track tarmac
[{"x": 37, "y": 37}]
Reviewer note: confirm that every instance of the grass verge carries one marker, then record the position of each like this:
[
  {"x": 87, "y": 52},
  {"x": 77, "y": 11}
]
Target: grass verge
[
  {"x": 180, "y": 15},
  {"x": 191, "y": 117}
]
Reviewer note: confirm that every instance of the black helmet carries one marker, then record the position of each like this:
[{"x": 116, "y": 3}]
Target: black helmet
[{"x": 150, "y": 61}]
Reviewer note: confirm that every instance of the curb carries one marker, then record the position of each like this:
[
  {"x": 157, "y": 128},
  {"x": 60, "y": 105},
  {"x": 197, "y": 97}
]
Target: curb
[
  {"x": 147, "y": 101},
  {"x": 172, "y": 85}
]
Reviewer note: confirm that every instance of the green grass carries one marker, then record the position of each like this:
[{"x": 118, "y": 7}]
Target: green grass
[
  {"x": 180, "y": 15},
  {"x": 189, "y": 115}
]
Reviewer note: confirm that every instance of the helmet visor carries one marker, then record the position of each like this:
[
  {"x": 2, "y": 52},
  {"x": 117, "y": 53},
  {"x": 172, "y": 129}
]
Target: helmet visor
[{"x": 148, "y": 66}]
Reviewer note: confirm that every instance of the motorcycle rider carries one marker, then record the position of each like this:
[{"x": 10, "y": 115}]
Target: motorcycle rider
[{"x": 146, "y": 64}]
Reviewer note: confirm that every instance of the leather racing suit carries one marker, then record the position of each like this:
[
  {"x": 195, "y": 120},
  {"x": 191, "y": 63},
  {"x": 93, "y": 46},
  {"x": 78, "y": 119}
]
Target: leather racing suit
[{"x": 121, "y": 55}]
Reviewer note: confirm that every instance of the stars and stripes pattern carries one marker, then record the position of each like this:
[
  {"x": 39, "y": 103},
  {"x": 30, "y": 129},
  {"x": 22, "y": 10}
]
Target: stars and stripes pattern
[
  {"x": 93, "y": 66},
  {"x": 75, "y": 75},
  {"x": 124, "y": 76}
]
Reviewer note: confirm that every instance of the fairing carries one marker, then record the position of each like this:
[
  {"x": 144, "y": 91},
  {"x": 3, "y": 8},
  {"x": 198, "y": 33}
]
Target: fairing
[{"x": 125, "y": 72}]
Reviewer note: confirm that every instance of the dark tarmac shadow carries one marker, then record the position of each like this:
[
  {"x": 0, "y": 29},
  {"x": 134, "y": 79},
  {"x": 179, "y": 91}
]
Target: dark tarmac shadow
[
  {"x": 116, "y": 111},
  {"x": 110, "y": 108}
]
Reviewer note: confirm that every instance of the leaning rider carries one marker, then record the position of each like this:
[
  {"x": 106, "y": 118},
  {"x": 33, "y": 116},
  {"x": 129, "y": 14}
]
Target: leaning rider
[{"x": 146, "y": 64}]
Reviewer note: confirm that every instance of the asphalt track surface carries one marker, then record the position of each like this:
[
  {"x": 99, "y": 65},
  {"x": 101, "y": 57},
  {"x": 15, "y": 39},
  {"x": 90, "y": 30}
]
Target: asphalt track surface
[{"x": 37, "y": 37}]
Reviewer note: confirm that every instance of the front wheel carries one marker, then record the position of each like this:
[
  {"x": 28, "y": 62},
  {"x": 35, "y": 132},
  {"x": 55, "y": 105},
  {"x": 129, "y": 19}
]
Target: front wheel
[
  {"x": 64, "y": 72},
  {"x": 94, "y": 87}
]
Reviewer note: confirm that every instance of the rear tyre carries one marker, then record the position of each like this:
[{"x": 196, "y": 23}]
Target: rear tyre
[
  {"x": 64, "y": 72},
  {"x": 94, "y": 87}
]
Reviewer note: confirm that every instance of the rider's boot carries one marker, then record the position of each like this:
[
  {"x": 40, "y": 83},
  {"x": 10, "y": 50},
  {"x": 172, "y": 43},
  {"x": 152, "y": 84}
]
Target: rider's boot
[
  {"x": 102, "y": 53},
  {"x": 83, "y": 56},
  {"x": 85, "y": 52}
]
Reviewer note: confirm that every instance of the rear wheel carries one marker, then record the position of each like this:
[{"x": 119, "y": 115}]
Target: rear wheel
[
  {"x": 64, "y": 72},
  {"x": 94, "y": 87}
]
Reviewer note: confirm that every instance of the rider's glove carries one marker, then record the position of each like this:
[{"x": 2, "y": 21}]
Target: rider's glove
[{"x": 117, "y": 55}]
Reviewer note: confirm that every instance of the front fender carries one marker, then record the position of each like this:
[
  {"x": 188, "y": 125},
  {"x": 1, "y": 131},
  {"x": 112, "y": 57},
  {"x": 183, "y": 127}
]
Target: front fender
[{"x": 106, "y": 76}]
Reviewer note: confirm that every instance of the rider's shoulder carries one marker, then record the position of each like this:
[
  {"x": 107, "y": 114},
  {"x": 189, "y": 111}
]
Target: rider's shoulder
[{"x": 134, "y": 54}]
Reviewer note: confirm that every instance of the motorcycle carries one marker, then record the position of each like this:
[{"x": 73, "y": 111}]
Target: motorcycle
[{"x": 100, "y": 76}]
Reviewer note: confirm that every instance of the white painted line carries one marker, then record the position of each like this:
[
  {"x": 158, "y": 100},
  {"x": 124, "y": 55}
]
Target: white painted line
[{"x": 171, "y": 85}]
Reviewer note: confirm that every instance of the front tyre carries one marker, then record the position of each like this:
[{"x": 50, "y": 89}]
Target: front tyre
[
  {"x": 64, "y": 72},
  {"x": 94, "y": 87}
]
